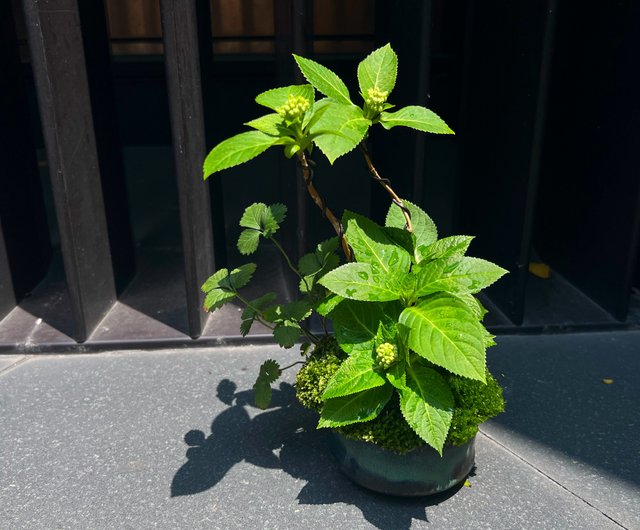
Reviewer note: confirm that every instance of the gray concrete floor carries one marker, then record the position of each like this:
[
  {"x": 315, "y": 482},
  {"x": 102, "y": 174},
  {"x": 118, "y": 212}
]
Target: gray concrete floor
[{"x": 169, "y": 439}]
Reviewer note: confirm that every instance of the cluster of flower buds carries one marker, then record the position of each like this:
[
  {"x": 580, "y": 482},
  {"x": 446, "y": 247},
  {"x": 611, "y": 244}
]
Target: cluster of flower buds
[
  {"x": 387, "y": 354},
  {"x": 376, "y": 99},
  {"x": 294, "y": 108}
]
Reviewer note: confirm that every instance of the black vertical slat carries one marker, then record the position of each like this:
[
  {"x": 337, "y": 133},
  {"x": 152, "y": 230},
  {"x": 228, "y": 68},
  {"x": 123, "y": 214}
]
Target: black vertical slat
[
  {"x": 22, "y": 214},
  {"x": 7, "y": 294},
  {"x": 58, "y": 62},
  {"x": 182, "y": 63},
  {"x": 103, "y": 105}
]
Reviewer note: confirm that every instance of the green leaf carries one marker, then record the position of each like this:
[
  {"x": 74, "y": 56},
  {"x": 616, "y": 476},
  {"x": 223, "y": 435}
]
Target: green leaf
[
  {"x": 474, "y": 304},
  {"x": 264, "y": 218},
  {"x": 424, "y": 229},
  {"x": 237, "y": 150},
  {"x": 287, "y": 334},
  {"x": 456, "y": 275},
  {"x": 446, "y": 247},
  {"x": 378, "y": 70},
  {"x": 249, "y": 314},
  {"x": 229, "y": 281},
  {"x": 443, "y": 330},
  {"x": 272, "y": 124},
  {"x": 364, "y": 281},
  {"x": 248, "y": 241},
  {"x": 314, "y": 265},
  {"x": 354, "y": 408},
  {"x": 323, "y": 79},
  {"x": 216, "y": 299},
  {"x": 276, "y": 97},
  {"x": 328, "y": 304},
  {"x": 372, "y": 245},
  {"x": 339, "y": 129},
  {"x": 427, "y": 404},
  {"x": 355, "y": 324},
  {"x": 358, "y": 372},
  {"x": 269, "y": 373},
  {"x": 297, "y": 310},
  {"x": 419, "y": 118}
]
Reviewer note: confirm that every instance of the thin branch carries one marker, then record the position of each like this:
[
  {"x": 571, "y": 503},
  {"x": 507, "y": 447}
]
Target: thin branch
[
  {"x": 286, "y": 257},
  {"x": 291, "y": 366},
  {"x": 386, "y": 184}
]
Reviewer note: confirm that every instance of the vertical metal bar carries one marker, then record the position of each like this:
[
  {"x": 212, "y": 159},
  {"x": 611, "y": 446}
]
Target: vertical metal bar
[
  {"x": 179, "y": 30},
  {"x": 58, "y": 61},
  {"x": 7, "y": 294}
]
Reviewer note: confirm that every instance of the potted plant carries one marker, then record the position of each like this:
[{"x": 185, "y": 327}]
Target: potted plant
[{"x": 403, "y": 381}]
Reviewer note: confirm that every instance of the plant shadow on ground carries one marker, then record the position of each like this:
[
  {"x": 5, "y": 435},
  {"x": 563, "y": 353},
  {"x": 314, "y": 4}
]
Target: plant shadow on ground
[{"x": 284, "y": 437}]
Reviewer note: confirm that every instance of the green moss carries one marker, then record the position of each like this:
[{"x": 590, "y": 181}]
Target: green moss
[{"x": 475, "y": 403}]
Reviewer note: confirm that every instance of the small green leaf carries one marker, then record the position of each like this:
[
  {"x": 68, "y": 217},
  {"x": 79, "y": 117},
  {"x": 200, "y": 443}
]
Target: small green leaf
[
  {"x": 446, "y": 247},
  {"x": 264, "y": 218},
  {"x": 249, "y": 314},
  {"x": 277, "y": 97},
  {"x": 339, "y": 129},
  {"x": 424, "y": 229},
  {"x": 248, "y": 241},
  {"x": 354, "y": 408},
  {"x": 297, "y": 310},
  {"x": 419, "y": 118},
  {"x": 364, "y": 281},
  {"x": 237, "y": 150},
  {"x": 316, "y": 264},
  {"x": 443, "y": 330},
  {"x": 272, "y": 124},
  {"x": 358, "y": 372},
  {"x": 238, "y": 278},
  {"x": 269, "y": 373},
  {"x": 287, "y": 334},
  {"x": 378, "y": 70},
  {"x": 323, "y": 79},
  {"x": 216, "y": 299},
  {"x": 427, "y": 404},
  {"x": 456, "y": 275}
]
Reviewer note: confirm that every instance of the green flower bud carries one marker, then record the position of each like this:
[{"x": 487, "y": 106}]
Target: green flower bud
[
  {"x": 294, "y": 108},
  {"x": 387, "y": 354},
  {"x": 375, "y": 99}
]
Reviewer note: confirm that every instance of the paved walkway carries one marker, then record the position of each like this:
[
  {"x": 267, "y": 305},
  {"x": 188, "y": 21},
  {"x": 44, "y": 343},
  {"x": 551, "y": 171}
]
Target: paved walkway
[{"x": 136, "y": 440}]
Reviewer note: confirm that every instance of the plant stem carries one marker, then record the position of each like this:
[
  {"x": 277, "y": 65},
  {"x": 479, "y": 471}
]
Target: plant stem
[
  {"x": 308, "y": 334},
  {"x": 307, "y": 174},
  {"x": 286, "y": 257},
  {"x": 258, "y": 313},
  {"x": 291, "y": 366},
  {"x": 386, "y": 184}
]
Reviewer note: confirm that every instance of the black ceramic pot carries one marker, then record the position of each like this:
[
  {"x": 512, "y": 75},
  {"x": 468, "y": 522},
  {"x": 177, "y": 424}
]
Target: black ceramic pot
[{"x": 419, "y": 472}]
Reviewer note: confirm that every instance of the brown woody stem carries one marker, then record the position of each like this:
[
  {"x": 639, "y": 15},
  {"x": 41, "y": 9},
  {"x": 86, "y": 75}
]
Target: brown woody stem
[
  {"x": 386, "y": 184},
  {"x": 307, "y": 174}
]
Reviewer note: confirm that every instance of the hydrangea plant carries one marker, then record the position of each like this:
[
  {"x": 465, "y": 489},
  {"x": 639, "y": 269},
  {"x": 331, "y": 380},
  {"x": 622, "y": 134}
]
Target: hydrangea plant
[{"x": 402, "y": 302}]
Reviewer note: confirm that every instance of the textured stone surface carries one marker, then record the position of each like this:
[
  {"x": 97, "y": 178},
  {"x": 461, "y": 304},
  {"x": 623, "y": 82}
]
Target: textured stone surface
[
  {"x": 7, "y": 361},
  {"x": 170, "y": 440}
]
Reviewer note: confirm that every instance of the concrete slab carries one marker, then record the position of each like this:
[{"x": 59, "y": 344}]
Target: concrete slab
[
  {"x": 6, "y": 361},
  {"x": 565, "y": 419},
  {"x": 169, "y": 440}
]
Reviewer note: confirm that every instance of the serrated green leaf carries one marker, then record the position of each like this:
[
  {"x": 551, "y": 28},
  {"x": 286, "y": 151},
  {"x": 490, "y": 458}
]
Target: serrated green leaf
[
  {"x": 272, "y": 124},
  {"x": 357, "y": 373},
  {"x": 237, "y": 150},
  {"x": 287, "y": 334},
  {"x": 446, "y": 247},
  {"x": 238, "y": 278},
  {"x": 270, "y": 371},
  {"x": 266, "y": 219},
  {"x": 216, "y": 299},
  {"x": 328, "y": 304},
  {"x": 456, "y": 275},
  {"x": 250, "y": 312},
  {"x": 474, "y": 304},
  {"x": 427, "y": 404},
  {"x": 371, "y": 244},
  {"x": 339, "y": 129},
  {"x": 364, "y": 281},
  {"x": 276, "y": 97},
  {"x": 297, "y": 310},
  {"x": 403, "y": 239},
  {"x": 356, "y": 324},
  {"x": 424, "y": 229},
  {"x": 378, "y": 70},
  {"x": 248, "y": 241},
  {"x": 323, "y": 79},
  {"x": 262, "y": 394},
  {"x": 355, "y": 408},
  {"x": 316, "y": 264},
  {"x": 443, "y": 330},
  {"x": 419, "y": 118}
]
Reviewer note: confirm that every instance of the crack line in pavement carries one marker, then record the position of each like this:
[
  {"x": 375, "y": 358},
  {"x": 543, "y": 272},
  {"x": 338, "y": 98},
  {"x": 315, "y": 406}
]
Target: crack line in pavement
[
  {"x": 20, "y": 361},
  {"x": 551, "y": 478}
]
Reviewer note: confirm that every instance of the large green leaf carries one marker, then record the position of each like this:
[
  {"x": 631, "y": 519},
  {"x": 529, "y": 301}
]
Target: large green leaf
[
  {"x": 272, "y": 124},
  {"x": 378, "y": 70},
  {"x": 358, "y": 372},
  {"x": 456, "y": 275},
  {"x": 371, "y": 244},
  {"x": 419, "y": 118},
  {"x": 427, "y": 404},
  {"x": 356, "y": 323},
  {"x": 446, "y": 247},
  {"x": 248, "y": 241},
  {"x": 424, "y": 229},
  {"x": 354, "y": 408},
  {"x": 474, "y": 304},
  {"x": 237, "y": 150},
  {"x": 445, "y": 331},
  {"x": 323, "y": 79},
  {"x": 339, "y": 129},
  {"x": 276, "y": 97},
  {"x": 364, "y": 281}
]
